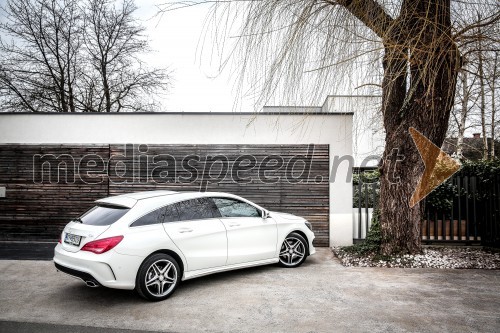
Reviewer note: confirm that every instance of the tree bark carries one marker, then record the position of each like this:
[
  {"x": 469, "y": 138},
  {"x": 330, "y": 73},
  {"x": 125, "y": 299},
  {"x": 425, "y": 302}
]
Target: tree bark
[{"x": 419, "y": 41}]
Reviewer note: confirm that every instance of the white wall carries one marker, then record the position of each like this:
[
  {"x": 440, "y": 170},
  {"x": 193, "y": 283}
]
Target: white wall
[
  {"x": 200, "y": 128},
  {"x": 365, "y": 214},
  {"x": 368, "y": 130}
]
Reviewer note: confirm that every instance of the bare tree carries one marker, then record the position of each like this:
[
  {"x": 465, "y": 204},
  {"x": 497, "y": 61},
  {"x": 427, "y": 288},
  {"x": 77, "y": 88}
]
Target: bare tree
[
  {"x": 73, "y": 56},
  {"x": 467, "y": 96},
  {"x": 475, "y": 98},
  {"x": 420, "y": 63},
  {"x": 492, "y": 85},
  {"x": 479, "y": 55},
  {"x": 114, "y": 39},
  {"x": 482, "y": 93},
  {"x": 39, "y": 68},
  {"x": 464, "y": 110}
]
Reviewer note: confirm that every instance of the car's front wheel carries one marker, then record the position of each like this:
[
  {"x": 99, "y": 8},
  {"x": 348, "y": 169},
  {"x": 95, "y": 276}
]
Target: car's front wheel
[
  {"x": 293, "y": 251},
  {"x": 158, "y": 277}
]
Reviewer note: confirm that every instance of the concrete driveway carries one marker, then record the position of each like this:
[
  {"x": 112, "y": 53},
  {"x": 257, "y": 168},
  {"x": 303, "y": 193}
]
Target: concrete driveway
[{"x": 320, "y": 296}]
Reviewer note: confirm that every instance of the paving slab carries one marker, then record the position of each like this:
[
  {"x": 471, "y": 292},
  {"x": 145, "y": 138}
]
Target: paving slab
[{"x": 319, "y": 296}]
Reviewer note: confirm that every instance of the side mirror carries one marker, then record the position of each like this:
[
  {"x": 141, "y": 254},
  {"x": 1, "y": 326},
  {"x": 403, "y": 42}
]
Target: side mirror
[{"x": 265, "y": 214}]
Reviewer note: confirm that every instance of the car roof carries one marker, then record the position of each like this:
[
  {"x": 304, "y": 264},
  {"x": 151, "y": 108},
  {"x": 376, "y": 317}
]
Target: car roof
[
  {"x": 130, "y": 199},
  {"x": 146, "y": 194}
]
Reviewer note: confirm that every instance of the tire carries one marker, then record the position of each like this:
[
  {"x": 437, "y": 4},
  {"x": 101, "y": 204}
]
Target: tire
[
  {"x": 293, "y": 251},
  {"x": 158, "y": 277}
]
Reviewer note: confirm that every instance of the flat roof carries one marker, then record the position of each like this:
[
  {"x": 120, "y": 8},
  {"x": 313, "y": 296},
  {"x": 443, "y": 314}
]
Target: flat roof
[{"x": 264, "y": 113}]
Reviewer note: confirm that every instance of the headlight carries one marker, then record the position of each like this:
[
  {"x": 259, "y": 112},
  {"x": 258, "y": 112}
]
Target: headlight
[{"x": 308, "y": 225}]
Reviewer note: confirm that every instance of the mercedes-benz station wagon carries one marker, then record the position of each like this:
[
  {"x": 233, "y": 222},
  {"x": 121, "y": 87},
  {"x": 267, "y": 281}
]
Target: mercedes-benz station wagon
[{"x": 150, "y": 241}]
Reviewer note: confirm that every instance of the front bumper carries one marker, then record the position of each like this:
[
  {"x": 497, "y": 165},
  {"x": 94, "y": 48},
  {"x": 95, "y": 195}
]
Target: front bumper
[
  {"x": 310, "y": 237},
  {"x": 110, "y": 269}
]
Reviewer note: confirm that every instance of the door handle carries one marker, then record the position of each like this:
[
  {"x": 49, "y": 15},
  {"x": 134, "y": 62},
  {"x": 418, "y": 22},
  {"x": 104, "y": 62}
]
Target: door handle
[
  {"x": 183, "y": 230},
  {"x": 234, "y": 224}
]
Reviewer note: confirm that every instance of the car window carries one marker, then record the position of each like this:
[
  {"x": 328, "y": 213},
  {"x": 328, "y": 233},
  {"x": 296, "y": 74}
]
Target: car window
[
  {"x": 171, "y": 214},
  {"x": 196, "y": 209},
  {"x": 102, "y": 215},
  {"x": 235, "y": 208},
  {"x": 154, "y": 217}
]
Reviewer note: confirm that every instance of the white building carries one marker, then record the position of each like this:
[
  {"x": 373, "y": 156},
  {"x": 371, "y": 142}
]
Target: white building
[{"x": 329, "y": 125}]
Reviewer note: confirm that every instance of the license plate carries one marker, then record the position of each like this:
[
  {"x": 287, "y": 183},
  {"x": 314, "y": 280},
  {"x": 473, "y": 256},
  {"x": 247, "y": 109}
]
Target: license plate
[{"x": 72, "y": 239}]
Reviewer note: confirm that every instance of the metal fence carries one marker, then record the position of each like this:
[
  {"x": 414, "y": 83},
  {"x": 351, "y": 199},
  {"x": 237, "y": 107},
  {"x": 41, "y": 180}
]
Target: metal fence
[
  {"x": 366, "y": 196},
  {"x": 470, "y": 216}
]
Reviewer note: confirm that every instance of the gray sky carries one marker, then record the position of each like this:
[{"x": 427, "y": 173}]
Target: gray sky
[{"x": 196, "y": 84}]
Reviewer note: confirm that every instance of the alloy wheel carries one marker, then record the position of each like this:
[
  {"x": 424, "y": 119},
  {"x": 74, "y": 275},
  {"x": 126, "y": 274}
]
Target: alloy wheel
[
  {"x": 161, "y": 278},
  {"x": 293, "y": 251}
]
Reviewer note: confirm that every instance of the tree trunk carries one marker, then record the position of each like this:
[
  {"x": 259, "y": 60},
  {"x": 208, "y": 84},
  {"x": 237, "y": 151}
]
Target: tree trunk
[
  {"x": 105, "y": 85},
  {"x": 62, "y": 94},
  {"x": 424, "y": 29},
  {"x": 399, "y": 222},
  {"x": 463, "y": 115},
  {"x": 492, "y": 153},
  {"x": 482, "y": 98},
  {"x": 493, "y": 111}
]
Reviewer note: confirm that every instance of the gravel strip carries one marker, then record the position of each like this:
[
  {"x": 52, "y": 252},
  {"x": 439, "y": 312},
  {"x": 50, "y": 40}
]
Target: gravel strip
[{"x": 431, "y": 257}]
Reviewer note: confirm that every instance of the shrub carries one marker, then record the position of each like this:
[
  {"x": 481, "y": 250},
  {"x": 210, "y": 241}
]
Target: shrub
[
  {"x": 485, "y": 172},
  {"x": 373, "y": 239}
]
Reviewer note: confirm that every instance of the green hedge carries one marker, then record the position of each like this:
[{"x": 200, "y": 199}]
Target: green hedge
[{"x": 486, "y": 172}]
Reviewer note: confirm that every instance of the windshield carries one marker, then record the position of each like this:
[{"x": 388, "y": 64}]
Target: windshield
[{"x": 102, "y": 215}]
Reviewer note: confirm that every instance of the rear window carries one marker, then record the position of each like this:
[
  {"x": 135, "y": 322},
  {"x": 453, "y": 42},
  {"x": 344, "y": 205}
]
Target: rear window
[{"x": 102, "y": 215}]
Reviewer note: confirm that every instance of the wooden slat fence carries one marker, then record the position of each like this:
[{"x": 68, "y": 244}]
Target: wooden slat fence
[
  {"x": 34, "y": 208},
  {"x": 473, "y": 215}
]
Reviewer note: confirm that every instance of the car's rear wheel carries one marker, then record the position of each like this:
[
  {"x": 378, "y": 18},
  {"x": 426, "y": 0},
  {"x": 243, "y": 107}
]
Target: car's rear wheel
[
  {"x": 158, "y": 277},
  {"x": 293, "y": 251}
]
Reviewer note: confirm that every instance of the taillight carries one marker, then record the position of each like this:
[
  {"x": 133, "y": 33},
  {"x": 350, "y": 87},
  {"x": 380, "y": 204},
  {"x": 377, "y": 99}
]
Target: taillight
[{"x": 102, "y": 245}]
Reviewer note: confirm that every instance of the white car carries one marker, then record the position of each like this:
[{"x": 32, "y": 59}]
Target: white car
[{"x": 150, "y": 241}]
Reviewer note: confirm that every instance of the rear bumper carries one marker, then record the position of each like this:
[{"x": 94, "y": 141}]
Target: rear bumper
[
  {"x": 85, "y": 277},
  {"x": 109, "y": 269}
]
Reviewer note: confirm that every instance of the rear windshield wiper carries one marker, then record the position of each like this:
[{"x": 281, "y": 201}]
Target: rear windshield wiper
[{"x": 79, "y": 220}]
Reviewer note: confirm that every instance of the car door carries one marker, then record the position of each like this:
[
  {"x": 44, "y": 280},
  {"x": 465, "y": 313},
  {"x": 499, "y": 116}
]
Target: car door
[
  {"x": 250, "y": 237},
  {"x": 198, "y": 233}
]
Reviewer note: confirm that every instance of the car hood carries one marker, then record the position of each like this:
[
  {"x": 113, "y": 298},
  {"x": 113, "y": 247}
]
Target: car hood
[{"x": 285, "y": 217}]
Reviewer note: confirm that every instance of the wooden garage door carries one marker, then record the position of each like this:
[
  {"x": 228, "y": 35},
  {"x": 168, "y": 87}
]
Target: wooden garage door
[
  {"x": 37, "y": 207},
  {"x": 286, "y": 178}
]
